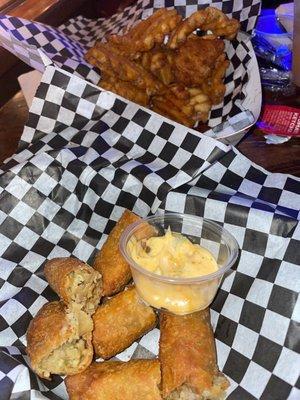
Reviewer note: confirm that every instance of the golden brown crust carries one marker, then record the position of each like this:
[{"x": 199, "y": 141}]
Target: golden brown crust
[
  {"x": 119, "y": 322},
  {"x": 40, "y": 343},
  {"x": 143, "y": 36},
  {"x": 113, "y": 380},
  {"x": 208, "y": 19},
  {"x": 109, "y": 261},
  {"x": 193, "y": 63},
  {"x": 156, "y": 61},
  {"x": 141, "y": 67},
  {"x": 50, "y": 329},
  {"x": 125, "y": 89},
  {"x": 187, "y": 352},
  {"x": 109, "y": 60},
  {"x": 61, "y": 276}
]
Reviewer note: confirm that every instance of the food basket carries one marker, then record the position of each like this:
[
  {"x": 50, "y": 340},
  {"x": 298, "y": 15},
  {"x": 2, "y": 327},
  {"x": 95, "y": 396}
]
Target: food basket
[
  {"x": 67, "y": 45},
  {"x": 86, "y": 154}
]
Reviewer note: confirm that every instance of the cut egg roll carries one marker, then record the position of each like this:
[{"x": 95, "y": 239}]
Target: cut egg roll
[
  {"x": 188, "y": 358},
  {"x": 120, "y": 321},
  {"x": 109, "y": 261},
  {"x": 75, "y": 282},
  {"x": 59, "y": 340},
  {"x": 116, "y": 380}
]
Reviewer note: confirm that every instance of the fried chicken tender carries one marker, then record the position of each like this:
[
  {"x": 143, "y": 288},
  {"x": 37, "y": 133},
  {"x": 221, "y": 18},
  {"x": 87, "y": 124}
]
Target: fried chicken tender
[
  {"x": 193, "y": 62},
  {"x": 215, "y": 87},
  {"x": 208, "y": 19},
  {"x": 143, "y": 36}
]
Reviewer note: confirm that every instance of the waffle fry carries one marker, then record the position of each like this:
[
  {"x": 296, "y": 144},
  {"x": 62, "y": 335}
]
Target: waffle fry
[
  {"x": 208, "y": 19},
  {"x": 200, "y": 102},
  {"x": 158, "y": 63},
  {"x": 126, "y": 89},
  {"x": 110, "y": 62}
]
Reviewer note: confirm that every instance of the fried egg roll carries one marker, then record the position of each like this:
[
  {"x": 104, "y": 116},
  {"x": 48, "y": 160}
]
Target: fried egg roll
[
  {"x": 132, "y": 380},
  {"x": 188, "y": 358},
  {"x": 59, "y": 340},
  {"x": 109, "y": 261},
  {"x": 75, "y": 282},
  {"x": 119, "y": 322}
]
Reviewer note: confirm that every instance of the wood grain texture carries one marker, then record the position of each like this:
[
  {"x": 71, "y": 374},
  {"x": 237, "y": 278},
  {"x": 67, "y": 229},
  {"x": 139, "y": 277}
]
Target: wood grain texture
[
  {"x": 284, "y": 158},
  {"x": 36, "y": 10},
  {"x": 51, "y": 12}
]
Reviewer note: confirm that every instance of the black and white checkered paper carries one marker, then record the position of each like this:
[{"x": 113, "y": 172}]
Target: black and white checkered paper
[
  {"x": 84, "y": 156},
  {"x": 66, "y": 45}
]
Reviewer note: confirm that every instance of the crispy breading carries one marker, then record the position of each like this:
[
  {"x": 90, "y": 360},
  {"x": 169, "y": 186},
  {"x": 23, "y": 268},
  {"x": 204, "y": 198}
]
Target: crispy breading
[
  {"x": 59, "y": 340},
  {"x": 193, "y": 62},
  {"x": 188, "y": 356},
  {"x": 210, "y": 19},
  {"x": 120, "y": 321},
  {"x": 116, "y": 380},
  {"x": 107, "y": 59},
  {"x": 157, "y": 62},
  {"x": 109, "y": 261},
  {"x": 75, "y": 282},
  {"x": 144, "y": 67}
]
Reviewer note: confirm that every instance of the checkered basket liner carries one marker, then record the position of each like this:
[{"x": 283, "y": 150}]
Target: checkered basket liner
[
  {"x": 85, "y": 155},
  {"x": 66, "y": 45}
]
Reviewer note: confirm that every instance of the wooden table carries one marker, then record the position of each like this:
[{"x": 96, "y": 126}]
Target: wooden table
[
  {"x": 51, "y": 12},
  {"x": 276, "y": 158},
  {"x": 284, "y": 157}
]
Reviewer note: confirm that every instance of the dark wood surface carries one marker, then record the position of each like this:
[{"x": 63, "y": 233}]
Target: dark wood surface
[
  {"x": 283, "y": 158},
  {"x": 51, "y": 12}
]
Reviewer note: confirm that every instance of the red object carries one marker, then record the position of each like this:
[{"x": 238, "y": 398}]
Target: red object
[{"x": 280, "y": 120}]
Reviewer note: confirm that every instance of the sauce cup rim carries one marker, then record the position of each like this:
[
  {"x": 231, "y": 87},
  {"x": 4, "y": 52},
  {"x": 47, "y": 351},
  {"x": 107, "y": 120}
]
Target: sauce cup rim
[{"x": 228, "y": 238}]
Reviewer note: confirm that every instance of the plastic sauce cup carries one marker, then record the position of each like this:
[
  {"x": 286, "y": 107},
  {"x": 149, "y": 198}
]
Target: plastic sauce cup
[{"x": 180, "y": 295}]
